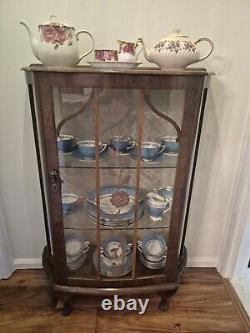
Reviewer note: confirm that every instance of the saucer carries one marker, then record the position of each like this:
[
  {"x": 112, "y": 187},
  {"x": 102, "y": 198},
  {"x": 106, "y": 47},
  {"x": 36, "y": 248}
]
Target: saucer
[
  {"x": 113, "y": 65},
  {"x": 78, "y": 156},
  {"x": 158, "y": 158}
]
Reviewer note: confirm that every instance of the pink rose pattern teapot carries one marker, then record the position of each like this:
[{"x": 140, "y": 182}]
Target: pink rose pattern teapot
[{"x": 58, "y": 43}]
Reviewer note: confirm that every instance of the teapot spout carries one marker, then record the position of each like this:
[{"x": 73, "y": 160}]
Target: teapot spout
[
  {"x": 140, "y": 40},
  {"x": 33, "y": 40}
]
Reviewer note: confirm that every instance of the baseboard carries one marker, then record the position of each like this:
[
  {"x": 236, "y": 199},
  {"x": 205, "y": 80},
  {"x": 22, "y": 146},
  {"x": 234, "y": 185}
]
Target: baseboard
[
  {"x": 202, "y": 262},
  {"x": 27, "y": 263}
]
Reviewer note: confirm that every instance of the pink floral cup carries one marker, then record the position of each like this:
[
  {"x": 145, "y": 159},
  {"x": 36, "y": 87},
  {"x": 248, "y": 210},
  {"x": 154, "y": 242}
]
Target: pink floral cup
[
  {"x": 106, "y": 55},
  {"x": 127, "y": 51}
]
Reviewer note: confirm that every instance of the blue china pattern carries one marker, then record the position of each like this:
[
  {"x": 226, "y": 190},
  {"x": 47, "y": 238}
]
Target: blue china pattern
[
  {"x": 171, "y": 145},
  {"x": 66, "y": 143},
  {"x": 121, "y": 144},
  {"x": 87, "y": 149},
  {"x": 111, "y": 213},
  {"x": 69, "y": 202}
]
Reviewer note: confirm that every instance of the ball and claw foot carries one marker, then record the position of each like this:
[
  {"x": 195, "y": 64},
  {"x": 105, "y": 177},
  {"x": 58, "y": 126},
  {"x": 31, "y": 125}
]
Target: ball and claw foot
[
  {"x": 64, "y": 307},
  {"x": 163, "y": 305},
  {"x": 66, "y": 310}
]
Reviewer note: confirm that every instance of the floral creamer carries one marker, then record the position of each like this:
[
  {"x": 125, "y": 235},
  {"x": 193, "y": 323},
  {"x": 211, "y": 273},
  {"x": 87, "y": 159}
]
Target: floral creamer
[
  {"x": 58, "y": 44},
  {"x": 175, "y": 51},
  {"x": 127, "y": 51}
]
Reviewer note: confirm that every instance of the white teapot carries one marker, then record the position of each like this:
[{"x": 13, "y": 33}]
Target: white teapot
[
  {"x": 58, "y": 43},
  {"x": 175, "y": 51}
]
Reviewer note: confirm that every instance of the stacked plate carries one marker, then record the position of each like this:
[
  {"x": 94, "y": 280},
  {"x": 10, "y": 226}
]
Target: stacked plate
[
  {"x": 115, "y": 257},
  {"x": 112, "y": 216},
  {"x": 76, "y": 251},
  {"x": 153, "y": 250}
]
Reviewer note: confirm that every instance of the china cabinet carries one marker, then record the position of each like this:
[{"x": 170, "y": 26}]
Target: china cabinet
[{"x": 116, "y": 156}]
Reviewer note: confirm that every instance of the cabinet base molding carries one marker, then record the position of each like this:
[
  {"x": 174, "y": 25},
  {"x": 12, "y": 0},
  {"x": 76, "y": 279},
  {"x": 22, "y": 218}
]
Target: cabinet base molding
[{"x": 61, "y": 294}]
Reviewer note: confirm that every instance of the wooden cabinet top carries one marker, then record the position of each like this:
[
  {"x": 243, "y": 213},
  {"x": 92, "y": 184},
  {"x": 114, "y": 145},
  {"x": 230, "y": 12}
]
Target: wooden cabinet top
[{"x": 138, "y": 71}]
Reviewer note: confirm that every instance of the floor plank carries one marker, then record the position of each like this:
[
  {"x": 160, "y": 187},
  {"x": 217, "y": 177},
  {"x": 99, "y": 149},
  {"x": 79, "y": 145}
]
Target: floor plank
[{"x": 201, "y": 305}]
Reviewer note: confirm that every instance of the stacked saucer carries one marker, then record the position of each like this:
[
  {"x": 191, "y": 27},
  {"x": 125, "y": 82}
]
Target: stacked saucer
[
  {"x": 76, "y": 251},
  {"x": 153, "y": 250},
  {"x": 115, "y": 257}
]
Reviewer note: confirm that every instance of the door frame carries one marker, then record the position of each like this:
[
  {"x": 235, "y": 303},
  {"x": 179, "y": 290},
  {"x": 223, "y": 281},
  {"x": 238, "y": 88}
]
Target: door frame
[{"x": 235, "y": 246}]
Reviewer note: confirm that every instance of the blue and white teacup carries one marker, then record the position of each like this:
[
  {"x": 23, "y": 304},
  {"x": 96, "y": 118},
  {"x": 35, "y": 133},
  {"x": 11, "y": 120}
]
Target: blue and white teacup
[
  {"x": 87, "y": 148},
  {"x": 69, "y": 202},
  {"x": 170, "y": 144},
  {"x": 66, "y": 143},
  {"x": 151, "y": 150},
  {"x": 157, "y": 206},
  {"x": 121, "y": 144}
]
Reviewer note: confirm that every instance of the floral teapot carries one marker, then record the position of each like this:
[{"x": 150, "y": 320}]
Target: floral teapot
[
  {"x": 58, "y": 43},
  {"x": 175, "y": 51}
]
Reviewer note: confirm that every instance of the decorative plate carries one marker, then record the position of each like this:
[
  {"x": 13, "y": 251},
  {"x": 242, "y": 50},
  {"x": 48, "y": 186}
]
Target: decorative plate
[{"x": 110, "y": 213}]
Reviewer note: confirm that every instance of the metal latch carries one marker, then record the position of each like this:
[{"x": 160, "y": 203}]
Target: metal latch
[{"x": 55, "y": 180}]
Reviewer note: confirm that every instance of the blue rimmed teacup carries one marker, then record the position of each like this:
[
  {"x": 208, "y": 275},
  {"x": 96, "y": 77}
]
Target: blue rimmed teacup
[
  {"x": 171, "y": 145},
  {"x": 87, "y": 148},
  {"x": 69, "y": 202},
  {"x": 121, "y": 144},
  {"x": 151, "y": 150},
  {"x": 157, "y": 206},
  {"x": 66, "y": 143}
]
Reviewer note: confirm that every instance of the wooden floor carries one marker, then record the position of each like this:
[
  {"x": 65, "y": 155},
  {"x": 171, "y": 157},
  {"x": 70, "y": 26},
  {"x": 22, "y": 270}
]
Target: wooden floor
[{"x": 200, "y": 305}]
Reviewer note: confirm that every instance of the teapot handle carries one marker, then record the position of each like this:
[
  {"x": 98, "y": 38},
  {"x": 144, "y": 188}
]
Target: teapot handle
[
  {"x": 92, "y": 40},
  {"x": 211, "y": 49}
]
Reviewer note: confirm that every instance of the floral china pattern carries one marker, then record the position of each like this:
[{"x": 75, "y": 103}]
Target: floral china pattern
[
  {"x": 125, "y": 47},
  {"x": 106, "y": 55},
  {"x": 175, "y": 46},
  {"x": 57, "y": 35}
]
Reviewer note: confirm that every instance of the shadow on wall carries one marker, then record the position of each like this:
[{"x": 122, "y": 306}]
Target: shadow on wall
[
  {"x": 32, "y": 196},
  {"x": 208, "y": 185}
]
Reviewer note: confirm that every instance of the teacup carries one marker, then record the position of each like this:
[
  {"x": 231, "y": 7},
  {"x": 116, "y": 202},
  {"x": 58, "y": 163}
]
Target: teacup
[
  {"x": 156, "y": 208},
  {"x": 127, "y": 51},
  {"x": 151, "y": 150},
  {"x": 106, "y": 55},
  {"x": 69, "y": 202},
  {"x": 66, "y": 143},
  {"x": 170, "y": 144},
  {"x": 121, "y": 144},
  {"x": 87, "y": 148}
]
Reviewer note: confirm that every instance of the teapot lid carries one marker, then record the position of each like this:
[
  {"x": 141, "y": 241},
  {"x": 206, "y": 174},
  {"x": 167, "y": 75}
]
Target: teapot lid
[
  {"x": 53, "y": 22},
  {"x": 175, "y": 35}
]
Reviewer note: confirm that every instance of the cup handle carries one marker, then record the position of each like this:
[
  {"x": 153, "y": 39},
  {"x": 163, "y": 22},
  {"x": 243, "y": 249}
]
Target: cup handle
[
  {"x": 131, "y": 145},
  {"x": 79, "y": 200},
  {"x": 161, "y": 150},
  {"x": 138, "y": 53},
  {"x": 86, "y": 249},
  {"x": 92, "y": 40},
  {"x": 129, "y": 246},
  {"x": 168, "y": 207},
  {"x": 103, "y": 149},
  {"x": 139, "y": 246},
  {"x": 211, "y": 47}
]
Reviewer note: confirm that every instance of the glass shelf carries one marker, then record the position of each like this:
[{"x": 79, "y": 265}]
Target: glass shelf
[
  {"x": 108, "y": 161},
  {"x": 80, "y": 220},
  {"x": 88, "y": 272}
]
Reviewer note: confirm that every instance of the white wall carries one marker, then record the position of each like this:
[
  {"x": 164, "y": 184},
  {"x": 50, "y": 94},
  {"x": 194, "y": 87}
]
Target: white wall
[{"x": 226, "y": 22}]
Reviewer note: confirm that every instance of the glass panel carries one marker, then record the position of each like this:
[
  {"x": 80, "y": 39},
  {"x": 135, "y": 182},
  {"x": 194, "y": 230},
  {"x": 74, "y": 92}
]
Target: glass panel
[{"x": 119, "y": 124}]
